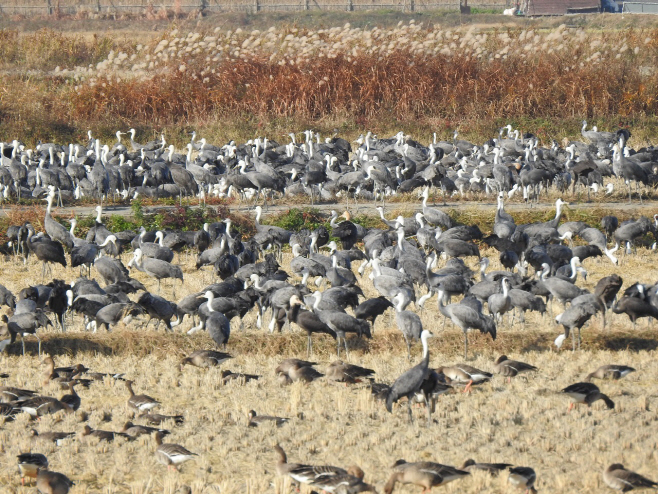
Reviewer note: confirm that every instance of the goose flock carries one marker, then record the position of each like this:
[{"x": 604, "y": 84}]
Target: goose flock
[
  {"x": 404, "y": 265},
  {"x": 325, "y": 170}
]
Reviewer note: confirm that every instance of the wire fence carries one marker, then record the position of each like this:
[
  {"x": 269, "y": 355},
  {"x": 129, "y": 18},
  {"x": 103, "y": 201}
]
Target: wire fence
[{"x": 77, "y": 7}]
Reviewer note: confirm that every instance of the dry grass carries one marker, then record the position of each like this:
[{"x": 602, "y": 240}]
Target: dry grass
[
  {"x": 424, "y": 77},
  {"x": 524, "y": 422}
]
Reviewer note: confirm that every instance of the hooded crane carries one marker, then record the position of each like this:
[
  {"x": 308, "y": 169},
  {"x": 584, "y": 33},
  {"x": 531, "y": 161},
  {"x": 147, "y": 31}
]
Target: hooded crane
[
  {"x": 409, "y": 383},
  {"x": 340, "y": 322},
  {"x": 408, "y": 322},
  {"x": 467, "y": 318},
  {"x": 308, "y": 321}
]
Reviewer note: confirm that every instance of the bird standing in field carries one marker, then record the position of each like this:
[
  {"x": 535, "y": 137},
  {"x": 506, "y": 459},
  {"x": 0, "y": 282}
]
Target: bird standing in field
[
  {"x": 425, "y": 474},
  {"x": 471, "y": 465},
  {"x": 409, "y": 383},
  {"x": 255, "y": 420},
  {"x": 30, "y": 463},
  {"x": 464, "y": 374},
  {"x": 620, "y": 479},
  {"x": 141, "y": 403},
  {"x": 587, "y": 393},
  {"x": 171, "y": 454}
]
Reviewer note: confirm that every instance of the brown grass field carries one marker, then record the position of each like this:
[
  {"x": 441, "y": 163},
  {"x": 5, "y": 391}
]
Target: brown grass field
[{"x": 524, "y": 423}]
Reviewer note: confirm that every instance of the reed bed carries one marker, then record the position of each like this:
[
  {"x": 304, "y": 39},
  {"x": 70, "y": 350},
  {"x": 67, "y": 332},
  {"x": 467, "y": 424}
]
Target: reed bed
[{"x": 345, "y": 78}]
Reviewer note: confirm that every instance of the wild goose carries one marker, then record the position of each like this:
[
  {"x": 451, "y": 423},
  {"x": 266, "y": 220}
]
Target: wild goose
[
  {"x": 298, "y": 372},
  {"x": 256, "y": 420},
  {"x": 510, "y": 368},
  {"x": 140, "y": 403},
  {"x": 471, "y": 466},
  {"x": 7, "y": 412},
  {"x": 29, "y": 464},
  {"x": 587, "y": 393},
  {"x": 284, "y": 468},
  {"x": 205, "y": 358},
  {"x": 157, "y": 419},
  {"x": 464, "y": 374},
  {"x": 349, "y": 483},
  {"x": 9, "y": 394},
  {"x": 52, "y": 482},
  {"x": 424, "y": 474},
  {"x": 134, "y": 431},
  {"x": 171, "y": 454},
  {"x": 228, "y": 376},
  {"x": 611, "y": 371},
  {"x": 43, "y": 405},
  {"x": 72, "y": 399},
  {"x": 102, "y": 435},
  {"x": 55, "y": 437},
  {"x": 523, "y": 477},
  {"x": 347, "y": 373},
  {"x": 620, "y": 479}
]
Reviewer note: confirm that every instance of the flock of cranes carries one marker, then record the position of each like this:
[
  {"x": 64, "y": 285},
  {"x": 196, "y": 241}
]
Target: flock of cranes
[
  {"x": 406, "y": 263},
  {"x": 326, "y": 169}
]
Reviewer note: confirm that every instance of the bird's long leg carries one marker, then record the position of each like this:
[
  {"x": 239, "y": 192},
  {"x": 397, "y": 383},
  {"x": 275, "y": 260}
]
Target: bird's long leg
[
  {"x": 573, "y": 341},
  {"x": 23, "y": 342},
  {"x": 39, "y": 340},
  {"x": 579, "y": 338},
  {"x": 411, "y": 416},
  {"x": 429, "y": 411},
  {"x": 347, "y": 353},
  {"x": 338, "y": 346},
  {"x": 465, "y": 345},
  {"x": 309, "y": 347}
]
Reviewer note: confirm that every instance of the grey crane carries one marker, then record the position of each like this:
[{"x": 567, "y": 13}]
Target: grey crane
[
  {"x": 340, "y": 322},
  {"x": 308, "y": 321},
  {"x": 574, "y": 318},
  {"x": 467, "y": 318},
  {"x": 46, "y": 250},
  {"x": 26, "y": 323},
  {"x": 54, "y": 229},
  {"x": 156, "y": 268},
  {"x": 409, "y": 383},
  {"x": 560, "y": 289},
  {"x": 111, "y": 270},
  {"x": 85, "y": 253},
  {"x": 594, "y": 236},
  {"x": 408, "y": 322}
]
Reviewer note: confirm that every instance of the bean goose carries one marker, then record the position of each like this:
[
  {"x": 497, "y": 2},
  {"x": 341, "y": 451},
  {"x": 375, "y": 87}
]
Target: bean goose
[
  {"x": 523, "y": 477},
  {"x": 347, "y": 373},
  {"x": 133, "y": 430},
  {"x": 29, "y": 464},
  {"x": 171, "y": 454},
  {"x": 228, "y": 376},
  {"x": 102, "y": 435},
  {"x": 510, "y": 368},
  {"x": 205, "y": 358},
  {"x": 587, "y": 393},
  {"x": 471, "y": 466},
  {"x": 157, "y": 419},
  {"x": 256, "y": 420},
  {"x": 140, "y": 403},
  {"x": 610, "y": 372},
  {"x": 620, "y": 479},
  {"x": 55, "y": 437},
  {"x": 424, "y": 474}
]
